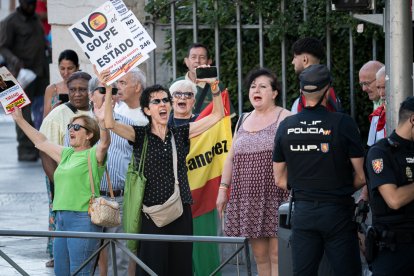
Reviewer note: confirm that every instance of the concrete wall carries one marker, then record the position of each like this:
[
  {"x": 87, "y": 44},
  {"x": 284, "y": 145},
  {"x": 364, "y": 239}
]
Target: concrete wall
[{"x": 6, "y": 6}]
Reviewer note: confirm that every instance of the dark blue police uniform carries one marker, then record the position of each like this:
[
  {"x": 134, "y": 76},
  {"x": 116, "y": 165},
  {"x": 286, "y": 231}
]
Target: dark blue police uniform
[
  {"x": 317, "y": 146},
  {"x": 391, "y": 161}
]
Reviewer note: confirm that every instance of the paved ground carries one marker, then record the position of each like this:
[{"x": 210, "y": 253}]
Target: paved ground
[{"x": 23, "y": 206}]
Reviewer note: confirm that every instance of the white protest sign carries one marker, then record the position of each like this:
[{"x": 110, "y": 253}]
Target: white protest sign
[
  {"x": 120, "y": 6},
  {"x": 145, "y": 42},
  {"x": 11, "y": 93},
  {"x": 107, "y": 42}
]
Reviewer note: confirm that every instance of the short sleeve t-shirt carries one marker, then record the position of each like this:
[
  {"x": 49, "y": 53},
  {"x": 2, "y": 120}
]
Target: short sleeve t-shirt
[{"x": 72, "y": 187}]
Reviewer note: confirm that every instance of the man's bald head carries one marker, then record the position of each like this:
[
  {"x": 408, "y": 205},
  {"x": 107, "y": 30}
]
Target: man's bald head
[{"x": 367, "y": 78}]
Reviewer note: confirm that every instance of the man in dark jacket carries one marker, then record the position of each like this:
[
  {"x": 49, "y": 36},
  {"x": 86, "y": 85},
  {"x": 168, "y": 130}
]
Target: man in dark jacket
[{"x": 23, "y": 46}]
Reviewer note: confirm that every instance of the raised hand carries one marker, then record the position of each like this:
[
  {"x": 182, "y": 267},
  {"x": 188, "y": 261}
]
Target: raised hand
[
  {"x": 17, "y": 114},
  {"x": 103, "y": 77}
]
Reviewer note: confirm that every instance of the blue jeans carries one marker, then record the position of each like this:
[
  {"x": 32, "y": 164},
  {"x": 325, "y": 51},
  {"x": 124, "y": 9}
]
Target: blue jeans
[{"x": 70, "y": 253}]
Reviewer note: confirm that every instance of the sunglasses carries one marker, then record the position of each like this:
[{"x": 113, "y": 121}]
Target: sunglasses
[
  {"x": 158, "y": 101},
  {"x": 76, "y": 127},
  {"x": 183, "y": 95},
  {"x": 102, "y": 90}
]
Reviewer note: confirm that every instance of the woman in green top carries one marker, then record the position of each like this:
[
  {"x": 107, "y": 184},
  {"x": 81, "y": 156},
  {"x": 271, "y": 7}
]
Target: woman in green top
[{"x": 72, "y": 188}]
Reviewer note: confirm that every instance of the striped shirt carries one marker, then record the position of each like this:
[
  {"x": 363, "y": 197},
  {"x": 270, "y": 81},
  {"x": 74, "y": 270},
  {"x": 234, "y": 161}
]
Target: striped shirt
[{"x": 119, "y": 155}]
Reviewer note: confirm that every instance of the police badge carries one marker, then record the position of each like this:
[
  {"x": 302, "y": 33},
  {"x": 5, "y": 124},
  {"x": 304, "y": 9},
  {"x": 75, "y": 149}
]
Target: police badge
[
  {"x": 409, "y": 173},
  {"x": 324, "y": 147},
  {"x": 377, "y": 165}
]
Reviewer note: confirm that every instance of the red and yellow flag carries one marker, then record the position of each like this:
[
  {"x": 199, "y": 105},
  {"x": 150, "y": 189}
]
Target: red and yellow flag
[{"x": 205, "y": 160}]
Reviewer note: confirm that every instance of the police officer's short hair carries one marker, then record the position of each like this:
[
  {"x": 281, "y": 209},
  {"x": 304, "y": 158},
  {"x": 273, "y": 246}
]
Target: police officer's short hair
[{"x": 406, "y": 110}]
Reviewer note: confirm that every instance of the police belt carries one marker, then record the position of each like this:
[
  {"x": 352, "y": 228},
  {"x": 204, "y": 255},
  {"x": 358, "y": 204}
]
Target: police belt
[
  {"x": 339, "y": 200},
  {"x": 396, "y": 236}
]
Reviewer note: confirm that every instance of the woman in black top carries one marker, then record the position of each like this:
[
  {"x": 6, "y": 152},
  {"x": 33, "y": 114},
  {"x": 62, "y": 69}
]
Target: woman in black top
[{"x": 164, "y": 258}]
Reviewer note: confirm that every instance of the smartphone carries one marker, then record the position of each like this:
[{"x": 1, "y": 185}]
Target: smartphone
[
  {"x": 206, "y": 72},
  {"x": 63, "y": 98}
]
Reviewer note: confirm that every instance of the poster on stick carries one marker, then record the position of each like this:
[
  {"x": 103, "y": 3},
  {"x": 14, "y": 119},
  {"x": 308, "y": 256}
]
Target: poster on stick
[
  {"x": 107, "y": 42},
  {"x": 11, "y": 93}
]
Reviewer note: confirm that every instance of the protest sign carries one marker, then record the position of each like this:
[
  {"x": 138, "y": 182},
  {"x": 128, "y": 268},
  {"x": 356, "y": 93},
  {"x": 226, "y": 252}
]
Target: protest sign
[
  {"x": 145, "y": 42},
  {"x": 107, "y": 42},
  {"x": 11, "y": 93}
]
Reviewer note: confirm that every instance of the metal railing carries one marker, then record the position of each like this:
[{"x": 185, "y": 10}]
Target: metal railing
[{"x": 112, "y": 241}]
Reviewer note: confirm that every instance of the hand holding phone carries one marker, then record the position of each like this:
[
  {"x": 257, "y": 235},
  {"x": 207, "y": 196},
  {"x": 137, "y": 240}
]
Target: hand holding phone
[{"x": 206, "y": 72}]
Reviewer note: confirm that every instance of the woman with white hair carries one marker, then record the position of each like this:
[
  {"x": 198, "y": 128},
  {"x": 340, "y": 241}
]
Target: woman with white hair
[{"x": 183, "y": 93}]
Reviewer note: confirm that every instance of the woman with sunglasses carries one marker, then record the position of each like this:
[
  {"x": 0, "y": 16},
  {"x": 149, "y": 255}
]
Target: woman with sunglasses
[
  {"x": 72, "y": 186},
  {"x": 183, "y": 93},
  {"x": 164, "y": 258}
]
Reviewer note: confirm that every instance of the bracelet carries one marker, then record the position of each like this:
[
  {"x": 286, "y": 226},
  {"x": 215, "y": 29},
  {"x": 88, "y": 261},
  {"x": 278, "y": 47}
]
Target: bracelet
[
  {"x": 222, "y": 188},
  {"x": 214, "y": 86},
  {"x": 224, "y": 185},
  {"x": 216, "y": 94}
]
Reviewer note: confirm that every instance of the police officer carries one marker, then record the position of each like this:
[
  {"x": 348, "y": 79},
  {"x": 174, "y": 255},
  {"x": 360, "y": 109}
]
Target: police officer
[
  {"x": 315, "y": 154},
  {"x": 390, "y": 167}
]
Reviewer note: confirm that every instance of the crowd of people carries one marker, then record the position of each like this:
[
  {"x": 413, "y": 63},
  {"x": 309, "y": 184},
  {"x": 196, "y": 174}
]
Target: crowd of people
[{"x": 312, "y": 154}]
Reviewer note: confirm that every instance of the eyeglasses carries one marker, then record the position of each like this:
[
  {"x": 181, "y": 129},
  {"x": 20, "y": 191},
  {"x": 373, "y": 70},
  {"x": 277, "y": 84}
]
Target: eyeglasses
[
  {"x": 158, "y": 101},
  {"x": 76, "y": 127},
  {"x": 366, "y": 83},
  {"x": 102, "y": 90},
  {"x": 183, "y": 95},
  {"x": 81, "y": 90}
]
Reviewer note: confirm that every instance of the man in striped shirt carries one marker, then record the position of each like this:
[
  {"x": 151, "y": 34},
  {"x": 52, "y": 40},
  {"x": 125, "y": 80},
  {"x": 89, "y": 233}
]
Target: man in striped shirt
[{"x": 119, "y": 155}]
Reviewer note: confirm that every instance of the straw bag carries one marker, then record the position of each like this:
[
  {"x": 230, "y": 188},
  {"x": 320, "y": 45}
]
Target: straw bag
[
  {"x": 103, "y": 212},
  {"x": 172, "y": 209}
]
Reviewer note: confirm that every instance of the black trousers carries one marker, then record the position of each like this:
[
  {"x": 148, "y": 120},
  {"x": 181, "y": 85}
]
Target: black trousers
[
  {"x": 35, "y": 89},
  {"x": 319, "y": 227},
  {"x": 167, "y": 258},
  {"x": 398, "y": 262}
]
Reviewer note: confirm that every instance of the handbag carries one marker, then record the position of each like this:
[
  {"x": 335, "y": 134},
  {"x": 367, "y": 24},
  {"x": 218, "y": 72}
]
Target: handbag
[
  {"x": 172, "y": 209},
  {"x": 103, "y": 212},
  {"x": 133, "y": 197}
]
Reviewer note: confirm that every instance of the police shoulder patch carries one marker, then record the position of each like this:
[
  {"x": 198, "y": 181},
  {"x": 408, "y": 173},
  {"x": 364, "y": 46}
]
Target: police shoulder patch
[{"x": 377, "y": 165}]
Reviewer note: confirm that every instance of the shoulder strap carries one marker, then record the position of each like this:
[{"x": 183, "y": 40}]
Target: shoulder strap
[
  {"x": 143, "y": 156},
  {"x": 90, "y": 175},
  {"x": 68, "y": 104},
  {"x": 242, "y": 118},
  {"x": 108, "y": 179},
  {"x": 278, "y": 116},
  {"x": 174, "y": 153},
  {"x": 200, "y": 100},
  {"x": 239, "y": 122}
]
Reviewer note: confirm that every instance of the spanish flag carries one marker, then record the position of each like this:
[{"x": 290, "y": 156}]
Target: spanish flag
[{"x": 205, "y": 163}]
